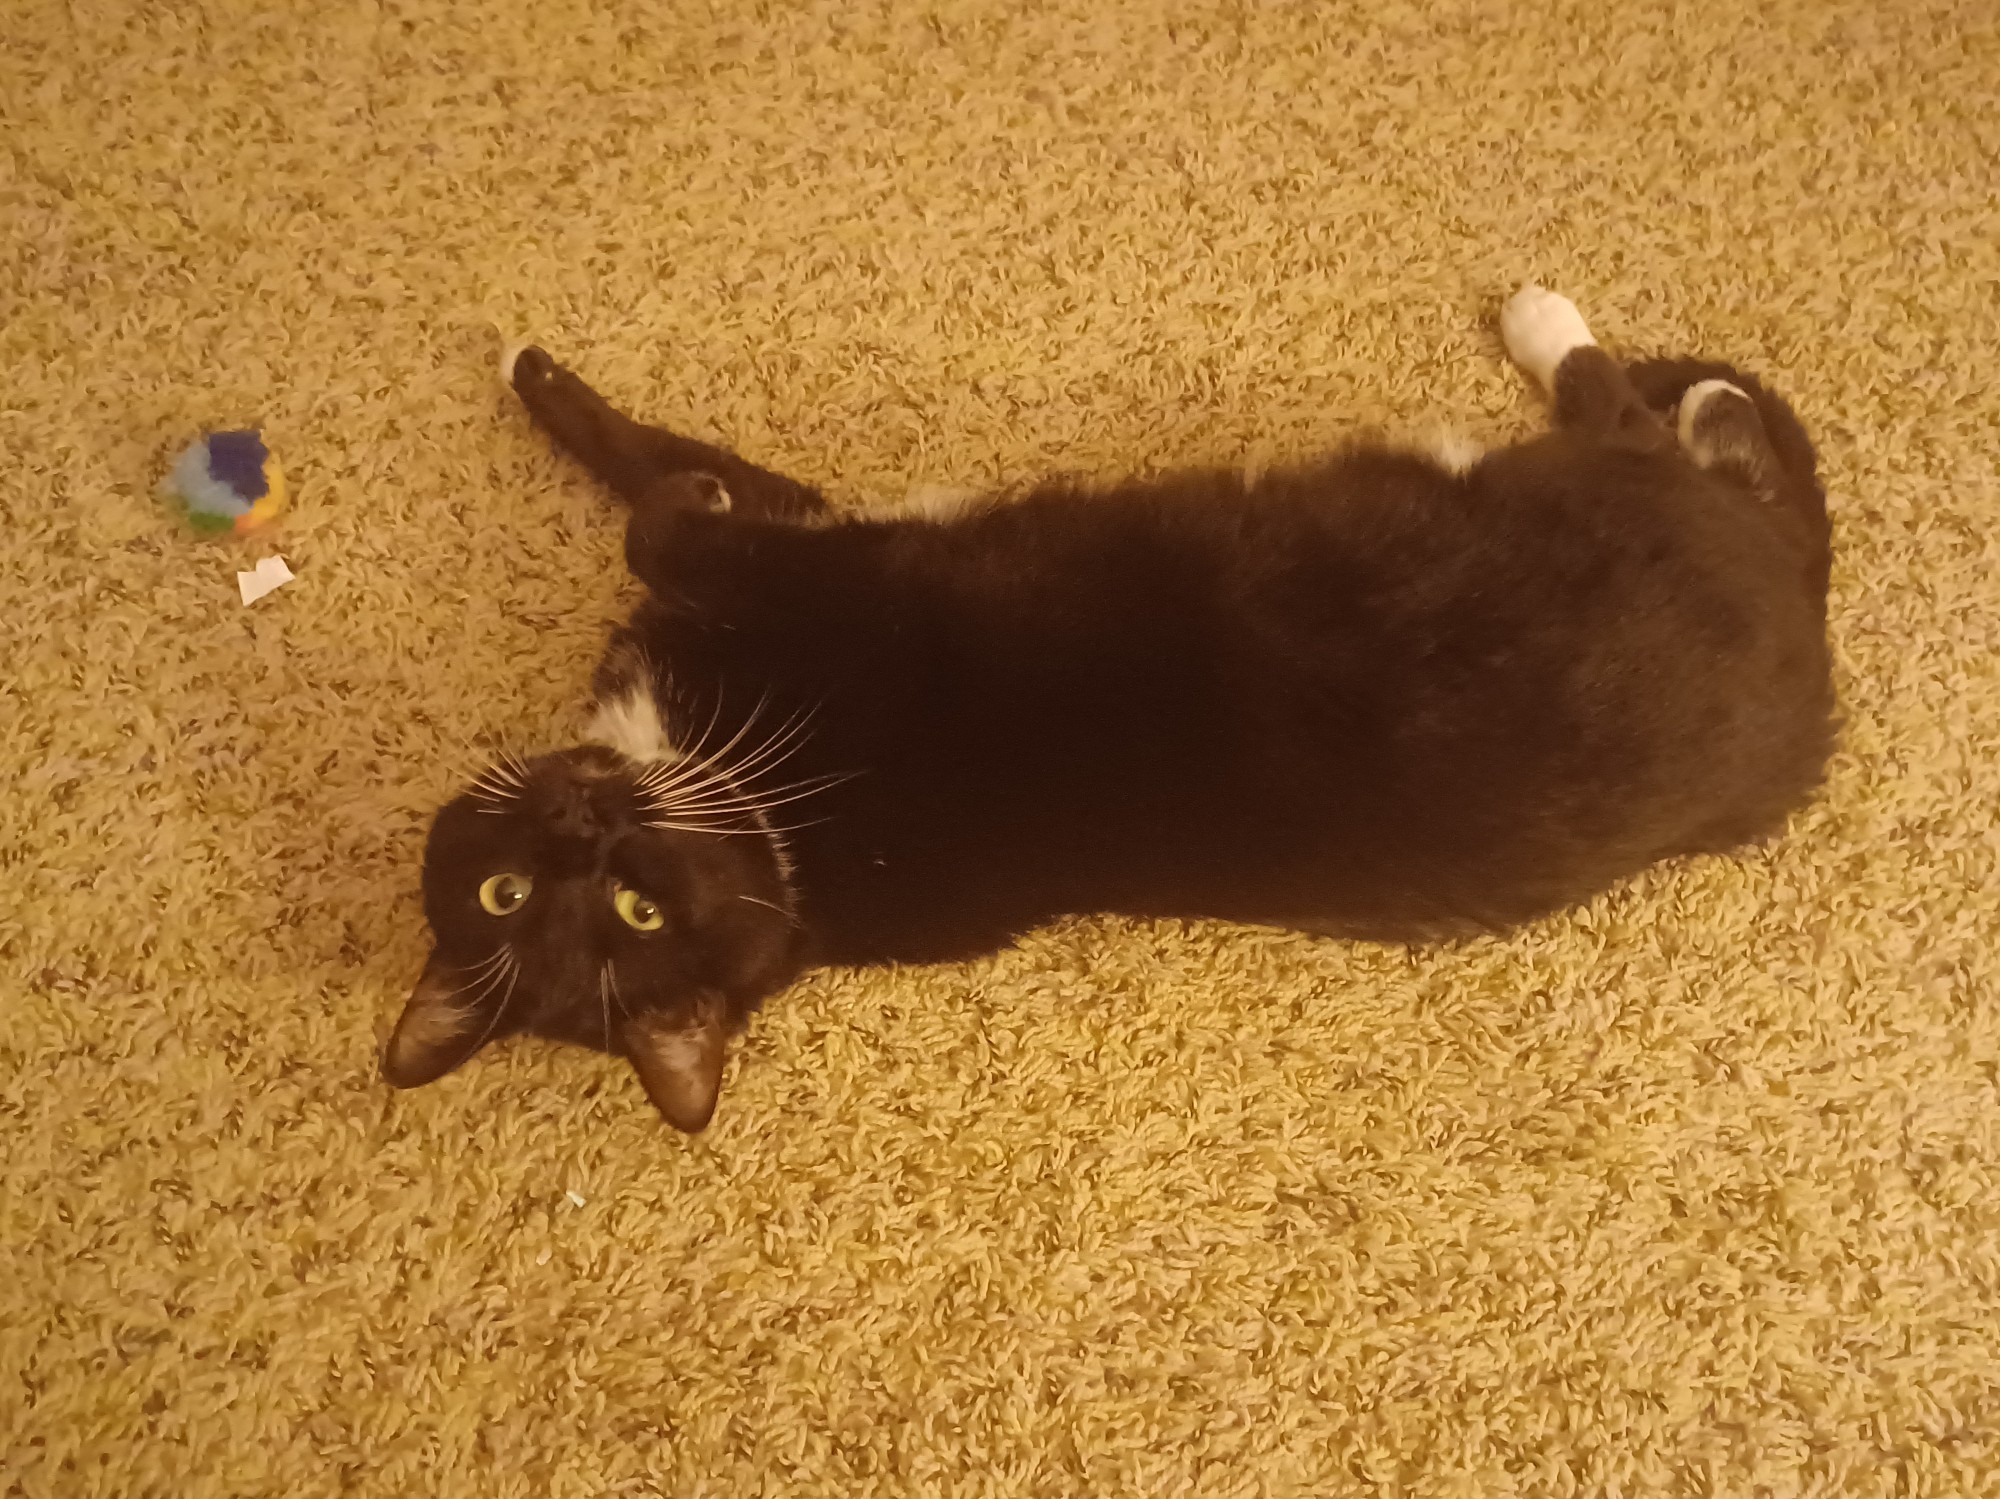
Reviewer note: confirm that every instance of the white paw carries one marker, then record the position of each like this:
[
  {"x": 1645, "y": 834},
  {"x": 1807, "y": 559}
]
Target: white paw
[
  {"x": 1539, "y": 328},
  {"x": 1693, "y": 399},
  {"x": 508, "y": 356}
]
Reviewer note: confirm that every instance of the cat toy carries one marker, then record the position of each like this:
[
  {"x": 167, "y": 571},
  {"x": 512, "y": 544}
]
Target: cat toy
[{"x": 227, "y": 483}]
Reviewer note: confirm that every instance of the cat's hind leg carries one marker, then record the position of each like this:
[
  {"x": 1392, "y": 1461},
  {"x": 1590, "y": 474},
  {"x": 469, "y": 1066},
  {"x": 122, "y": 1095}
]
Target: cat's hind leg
[
  {"x": 1719, "y": 428},
  {"x": 1732, "y": 424},
  {"x": 1548, "y": 338},
  {"x": 647, "y": 465},
  {"x": 1727, "y": 419}
]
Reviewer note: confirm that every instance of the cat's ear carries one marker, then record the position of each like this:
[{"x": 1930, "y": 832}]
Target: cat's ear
[
  {"x": 679, "y": 1064},
  {"x": 446, "y": 1020}
]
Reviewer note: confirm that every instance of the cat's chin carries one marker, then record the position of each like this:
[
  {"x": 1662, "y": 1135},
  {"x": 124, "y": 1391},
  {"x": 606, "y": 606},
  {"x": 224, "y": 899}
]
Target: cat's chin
[{"x": 574, "y": 1023}]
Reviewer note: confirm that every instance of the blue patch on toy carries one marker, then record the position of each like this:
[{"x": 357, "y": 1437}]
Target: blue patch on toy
[{"x": 237, "y": 459}]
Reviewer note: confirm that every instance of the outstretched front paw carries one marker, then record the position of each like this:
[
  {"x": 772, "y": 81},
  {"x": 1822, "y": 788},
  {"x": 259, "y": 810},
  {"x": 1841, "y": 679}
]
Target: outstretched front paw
[
  {"x": 569, "y": 410},
  {"x": 529, "y": 363},
  {"x": 1540, "y": 328}
]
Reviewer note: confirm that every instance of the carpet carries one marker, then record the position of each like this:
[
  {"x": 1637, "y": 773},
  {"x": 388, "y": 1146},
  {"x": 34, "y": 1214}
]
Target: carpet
[{"x": 1694, "y": 1191}]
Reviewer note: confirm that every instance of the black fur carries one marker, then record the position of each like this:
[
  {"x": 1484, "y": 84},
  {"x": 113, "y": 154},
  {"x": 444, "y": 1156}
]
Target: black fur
[{"x": 1363, "y": 696}]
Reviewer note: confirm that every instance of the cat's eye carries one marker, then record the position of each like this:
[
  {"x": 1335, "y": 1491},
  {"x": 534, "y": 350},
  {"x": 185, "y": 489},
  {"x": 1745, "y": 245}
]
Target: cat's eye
[
  {"x": 504, "y": 894},
  {"x": 637, "y": 912}
]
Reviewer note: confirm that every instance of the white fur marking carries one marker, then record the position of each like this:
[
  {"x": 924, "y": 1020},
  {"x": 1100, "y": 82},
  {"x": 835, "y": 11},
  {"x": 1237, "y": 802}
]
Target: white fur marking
[
  {"x": 1454, "y": 451},
  {"x": 781, "y": 853},
  {"x": 432, "y": 1024},
  {"x": 939, "y": 502},
  {"x": 632, "y": 724},
  {"x": 509, "y": 357},
  {"x": 681, "y": 1051},
  {"x": 1540, "y": 328},
  {"x": 1697, "y": 396}
]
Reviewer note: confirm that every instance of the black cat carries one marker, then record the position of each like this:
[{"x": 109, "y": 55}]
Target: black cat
[{"x": 1380, "y": 694}]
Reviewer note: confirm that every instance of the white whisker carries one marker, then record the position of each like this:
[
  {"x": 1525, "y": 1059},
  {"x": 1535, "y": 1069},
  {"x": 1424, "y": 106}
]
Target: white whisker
[
  {"x": 513, "y": 974},
  {"x": 497, "y": 785},
  {"x": 616, "y": 998},
  {"x": 767, "y": 826},
  {"x": 771, "y": 905},
  {"x": 731, "y": 793},
  {"x": 792, "y": 733},
  {"x": 699, "y": 820},
  {"x": 690, "y": 827},
  {"x": 508, "y": 770},
  {"x": 664, "y": 770},
  {"x": 697, "y": 753},
  {"x": 719, "y": 813},
  {"x": 761, "y": 801},
  {"x": 676, "y": 809},
  {"x": 761, "y": 824},
  {"x": 699, "y": 784},
  {"x": 480, "y": 972},
  {"x": 696, "y": 763}
]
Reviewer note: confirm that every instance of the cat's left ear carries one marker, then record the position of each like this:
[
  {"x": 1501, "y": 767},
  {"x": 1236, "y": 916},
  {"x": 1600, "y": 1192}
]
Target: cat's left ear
[{"x": 446, "y": 1020}]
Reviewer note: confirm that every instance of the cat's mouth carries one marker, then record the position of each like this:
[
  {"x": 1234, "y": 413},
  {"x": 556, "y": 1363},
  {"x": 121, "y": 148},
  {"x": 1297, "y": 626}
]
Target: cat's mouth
[{"x": 581, "y": 1011}]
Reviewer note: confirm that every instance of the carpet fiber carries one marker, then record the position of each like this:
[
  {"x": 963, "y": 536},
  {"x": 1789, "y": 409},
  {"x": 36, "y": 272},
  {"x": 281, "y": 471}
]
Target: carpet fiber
[{"x": 1694, "y": 1191}]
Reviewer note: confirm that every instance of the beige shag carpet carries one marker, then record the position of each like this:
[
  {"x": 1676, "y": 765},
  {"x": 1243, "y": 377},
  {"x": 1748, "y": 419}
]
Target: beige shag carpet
[{"x": 1693, "y": 1192}]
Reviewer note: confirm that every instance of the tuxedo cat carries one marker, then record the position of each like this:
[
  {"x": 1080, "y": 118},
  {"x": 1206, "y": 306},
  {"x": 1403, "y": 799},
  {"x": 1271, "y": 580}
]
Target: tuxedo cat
[{"x": 1377, "y": 694}]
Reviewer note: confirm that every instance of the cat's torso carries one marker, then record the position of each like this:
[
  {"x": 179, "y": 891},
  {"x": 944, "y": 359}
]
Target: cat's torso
[{"x": 1366, "y": 696}]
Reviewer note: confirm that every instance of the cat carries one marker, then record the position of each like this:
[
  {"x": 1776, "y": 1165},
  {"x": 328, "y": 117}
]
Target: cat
[{"x": 1380, "y": 694}]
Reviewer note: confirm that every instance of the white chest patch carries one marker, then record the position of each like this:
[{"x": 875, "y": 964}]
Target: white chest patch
[
  {"x": 939, "y": 502},
  {"x": 633, "y": 724},
  {"x": 1454, "y": 452}
]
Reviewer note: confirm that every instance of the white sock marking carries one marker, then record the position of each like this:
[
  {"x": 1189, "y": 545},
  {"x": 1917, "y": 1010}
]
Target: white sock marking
[
  {"x": 509, "y": 357},
  {"x": 1540, "y": 328},
  {"x": 1694, "y": 398}
]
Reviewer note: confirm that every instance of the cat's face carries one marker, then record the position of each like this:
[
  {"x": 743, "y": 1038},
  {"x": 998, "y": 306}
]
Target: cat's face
[{"x": 559, "y": 907}]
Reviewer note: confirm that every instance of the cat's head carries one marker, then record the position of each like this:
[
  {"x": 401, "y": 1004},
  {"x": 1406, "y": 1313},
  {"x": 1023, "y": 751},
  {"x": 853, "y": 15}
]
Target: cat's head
[{"x": 564, "y": 902}]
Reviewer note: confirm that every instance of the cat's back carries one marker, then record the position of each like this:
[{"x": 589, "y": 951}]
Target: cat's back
[
  {"x": 1607, "y": 640},
  {"x": 1532, "y": 541}
]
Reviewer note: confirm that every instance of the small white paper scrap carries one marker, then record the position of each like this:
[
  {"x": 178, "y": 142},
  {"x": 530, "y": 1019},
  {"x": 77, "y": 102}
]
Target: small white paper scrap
[
  {"x": 576, "y": 1198},
  {"x": 266, "y": 575}
]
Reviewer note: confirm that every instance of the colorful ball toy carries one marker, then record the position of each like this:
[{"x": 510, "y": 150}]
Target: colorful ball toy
[{"x": 227, "y": 482}]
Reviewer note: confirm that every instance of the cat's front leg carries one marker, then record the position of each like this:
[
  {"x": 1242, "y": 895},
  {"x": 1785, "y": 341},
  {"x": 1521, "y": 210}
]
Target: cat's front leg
[{"x": 648, "y": 465}]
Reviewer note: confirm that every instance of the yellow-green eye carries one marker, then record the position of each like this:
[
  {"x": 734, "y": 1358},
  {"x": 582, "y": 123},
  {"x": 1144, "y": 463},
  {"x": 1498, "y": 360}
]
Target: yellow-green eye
[
  {"x": 504, "y": 894},
  {"x": 637, "y": 912}
]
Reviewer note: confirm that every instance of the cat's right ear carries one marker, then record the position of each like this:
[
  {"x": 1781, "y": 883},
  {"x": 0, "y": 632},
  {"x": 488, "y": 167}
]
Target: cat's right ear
[
  {"x": 449, "y": 1017},
  {"x": 679, "y": 1065}
]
